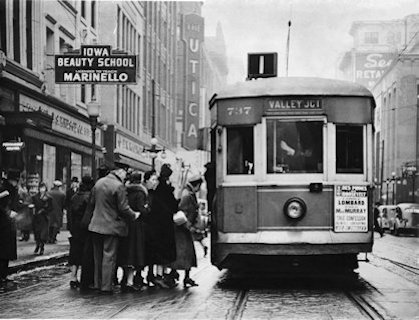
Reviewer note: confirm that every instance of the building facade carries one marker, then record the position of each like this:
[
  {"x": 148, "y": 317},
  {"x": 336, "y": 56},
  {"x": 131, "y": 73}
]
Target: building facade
[
  {"x": 383, "y": 58},
  {"x": 48, "y": 121}
]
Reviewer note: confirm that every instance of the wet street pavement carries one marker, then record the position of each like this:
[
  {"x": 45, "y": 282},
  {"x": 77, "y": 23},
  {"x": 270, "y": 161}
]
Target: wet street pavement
[{"x": 387, "y": 288}]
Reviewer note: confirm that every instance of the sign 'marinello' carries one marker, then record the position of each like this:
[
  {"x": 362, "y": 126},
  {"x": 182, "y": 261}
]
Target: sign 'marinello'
[{"x": 95, "y": 64}]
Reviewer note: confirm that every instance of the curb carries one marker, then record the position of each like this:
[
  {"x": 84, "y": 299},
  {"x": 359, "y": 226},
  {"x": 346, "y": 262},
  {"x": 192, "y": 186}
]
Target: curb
[{"x": 48, "y": 260}]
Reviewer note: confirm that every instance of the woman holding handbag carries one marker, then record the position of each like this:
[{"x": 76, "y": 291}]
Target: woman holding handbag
[{"x": 186, "y": 256}]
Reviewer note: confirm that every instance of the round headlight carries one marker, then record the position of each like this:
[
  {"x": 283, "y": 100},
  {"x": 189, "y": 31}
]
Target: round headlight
[{"x": 295, "y": 208}]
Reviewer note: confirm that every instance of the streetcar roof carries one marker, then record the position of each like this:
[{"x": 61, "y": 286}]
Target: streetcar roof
[{"x": 293, "y": 86}]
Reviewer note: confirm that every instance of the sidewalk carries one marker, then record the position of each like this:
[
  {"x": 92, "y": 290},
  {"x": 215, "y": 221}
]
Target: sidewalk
[{"x": 53, "y": 253}]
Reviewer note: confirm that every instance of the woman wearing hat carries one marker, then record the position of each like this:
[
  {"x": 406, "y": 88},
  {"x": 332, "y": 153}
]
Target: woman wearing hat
[
  {"x": 186, "y": 256},
  {"x": 161, "y": 246},
  {"x": 43, "y": 204},
  {"x": 78, "y": 205},
  {"x": 8, "y": 249}
]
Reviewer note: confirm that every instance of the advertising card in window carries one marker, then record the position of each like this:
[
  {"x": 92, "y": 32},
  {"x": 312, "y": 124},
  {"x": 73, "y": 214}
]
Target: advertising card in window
[{"x": 351, "y": 208}]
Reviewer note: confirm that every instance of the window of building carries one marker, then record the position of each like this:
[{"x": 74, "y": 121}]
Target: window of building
[
  {"x": 93, "y": 14},
  {"x": 349, "y": 149},
  {"x": 294, "y": 146},
  {"x": 83, "y": 93},
  {"x": 3, "y": 27},
  {"x": 93, "y": 92},
  {"x": 29, "y": 62},
  {"x": 240, "y": 150},
  {"x": 83, "y": 9},
  {"x": 16, "y": 29},
  {"x": 371, "y": 37}
]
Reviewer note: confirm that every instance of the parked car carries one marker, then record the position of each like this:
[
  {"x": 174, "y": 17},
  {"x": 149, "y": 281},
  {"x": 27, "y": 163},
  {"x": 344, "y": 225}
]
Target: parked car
[
  {"x": 406, "y": 219},
  {"x": 387, "y": 212}
]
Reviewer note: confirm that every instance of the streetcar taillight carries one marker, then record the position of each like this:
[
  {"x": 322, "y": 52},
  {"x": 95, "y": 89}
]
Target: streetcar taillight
[{"x": 295, "y": 208}]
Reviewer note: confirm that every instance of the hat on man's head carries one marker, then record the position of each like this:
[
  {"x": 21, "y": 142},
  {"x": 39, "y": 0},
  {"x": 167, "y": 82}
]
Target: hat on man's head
[
  {"x": 74, "y": 179},
  {"x": 136, "y": 176},
  {"x": 120, "y": 165},
  {"x": 57, "y": 183},
  {"x": 195, "y": 178},
  {"x": 87, "y": 180},
  {"x": 165, "y": 171},
  {"x": 4, "y": 192}
]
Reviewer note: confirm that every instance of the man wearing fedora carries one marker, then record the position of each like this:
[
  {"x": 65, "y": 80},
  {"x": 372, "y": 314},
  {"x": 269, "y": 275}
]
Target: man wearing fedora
[{"x": 109, "y": 222}]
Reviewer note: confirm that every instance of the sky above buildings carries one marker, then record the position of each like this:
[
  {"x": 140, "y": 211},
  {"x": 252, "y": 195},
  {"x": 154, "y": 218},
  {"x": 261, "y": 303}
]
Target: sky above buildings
[{"x": 319, "y": 31}]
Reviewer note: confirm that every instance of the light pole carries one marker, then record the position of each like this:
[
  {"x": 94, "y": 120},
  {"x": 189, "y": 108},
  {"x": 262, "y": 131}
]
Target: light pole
[
  {"x": 93, "y": 110},
  {"x": 393, "y": 181},
  {"x": 387, "y": 183}
]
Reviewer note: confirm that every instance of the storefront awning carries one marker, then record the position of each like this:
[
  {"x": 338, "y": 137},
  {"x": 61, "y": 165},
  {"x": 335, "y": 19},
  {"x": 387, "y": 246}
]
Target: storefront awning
[{"x": 138, "y": 165}]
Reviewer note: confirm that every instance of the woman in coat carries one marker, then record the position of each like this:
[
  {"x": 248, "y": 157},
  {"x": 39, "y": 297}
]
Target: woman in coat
[
  {"x": 161, "y": 246},
  {"x": 77, "y": 207},
  {"x": 186, "y": 256},
  {"x": 132, "y": 248},
  {"x": 8, "y": 249},
  {"x": 43, "y": 204}
]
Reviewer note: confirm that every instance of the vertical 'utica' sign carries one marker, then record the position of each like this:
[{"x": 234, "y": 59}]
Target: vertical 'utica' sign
[{"x": 95, "y": 64}]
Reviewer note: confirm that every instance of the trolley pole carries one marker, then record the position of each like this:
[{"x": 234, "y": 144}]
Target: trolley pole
[{"x": 288, "y": 48}]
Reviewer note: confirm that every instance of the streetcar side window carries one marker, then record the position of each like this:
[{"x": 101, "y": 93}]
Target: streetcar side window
[
  {"x": 294, "y": 146},
  {"x": 349, "y": 149},
  {"x": 240, "y": 155}
]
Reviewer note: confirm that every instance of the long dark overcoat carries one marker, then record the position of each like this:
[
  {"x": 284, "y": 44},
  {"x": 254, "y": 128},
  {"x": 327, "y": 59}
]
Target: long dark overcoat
[
  {"x": 8, "y": 250},
  {"x": 78, "y": 205},
  {"x": 186, "y": 256},
  {"x": 132, "y": 248},
  {"x": 25, "y": 214},
  {"x": 56, "y": 213},
  {"x": 43, "y": 207},
  {"x": 160, "y": 235}
]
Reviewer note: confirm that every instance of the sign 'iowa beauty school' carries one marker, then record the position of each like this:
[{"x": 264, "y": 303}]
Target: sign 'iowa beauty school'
[{"x": 95, "y": 64}]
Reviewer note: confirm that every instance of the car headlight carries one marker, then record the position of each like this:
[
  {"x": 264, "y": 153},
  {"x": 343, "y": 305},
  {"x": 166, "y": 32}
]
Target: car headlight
[{"x": 295, "y": 208}]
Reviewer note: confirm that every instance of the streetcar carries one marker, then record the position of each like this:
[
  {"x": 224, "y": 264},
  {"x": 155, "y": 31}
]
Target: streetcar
[{"x": 293, "y": 161}]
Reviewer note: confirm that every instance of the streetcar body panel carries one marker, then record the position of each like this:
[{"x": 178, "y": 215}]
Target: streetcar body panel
[{"x": 293, "y": 171}]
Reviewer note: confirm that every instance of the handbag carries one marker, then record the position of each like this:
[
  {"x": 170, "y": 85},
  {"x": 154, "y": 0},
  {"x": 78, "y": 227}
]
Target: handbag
[{"x": 179, "y": 218}]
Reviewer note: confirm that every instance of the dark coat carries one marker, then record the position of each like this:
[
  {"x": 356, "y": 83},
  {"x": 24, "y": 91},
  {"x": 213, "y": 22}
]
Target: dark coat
[
  {"x": 43, "y": 206},
  {"x": 58, "y": 203},
  {"x": 160, "y": 236},
  {"x": 78, "y": 205},
  {"x": 111, "y": 210},
  {"x": 8, "y": 248},
  {"x": 25, "y": 214},
  {"x": 186, "y": 256},
  {"x": 132, "y": 248}
]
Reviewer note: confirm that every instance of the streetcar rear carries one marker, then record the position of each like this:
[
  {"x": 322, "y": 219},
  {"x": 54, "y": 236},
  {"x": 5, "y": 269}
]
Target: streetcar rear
[{"x": 293, "y": 173}]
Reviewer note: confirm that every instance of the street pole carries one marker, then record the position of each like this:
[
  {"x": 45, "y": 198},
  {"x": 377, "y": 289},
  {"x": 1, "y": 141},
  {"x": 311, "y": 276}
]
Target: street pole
[
  {"x": 386, "y": 192},
  {"x": 394, "y": 191},
  {"x": 93, "y": 123},
  {"x": 153, "y": 122},
  {"x": 382, "y": 168}
]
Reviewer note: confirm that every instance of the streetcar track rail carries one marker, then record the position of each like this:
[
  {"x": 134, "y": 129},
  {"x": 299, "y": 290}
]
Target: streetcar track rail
[
  {"x": 404, "y": 266},
  {"x": 367, "y": 308},
  {"x": 236, "y": 311}
]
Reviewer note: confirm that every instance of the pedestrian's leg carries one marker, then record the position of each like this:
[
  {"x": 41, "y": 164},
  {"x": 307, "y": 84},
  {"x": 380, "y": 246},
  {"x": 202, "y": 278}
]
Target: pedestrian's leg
[
  {"x": 88, "y": 264},
  {"x": 98, "y": 257},
  {"x": 41, "y": 248},
  {"x": 110, "y": 251},
  {"x": 73, "y": 281},
  {"x": 4, "y": 268}
]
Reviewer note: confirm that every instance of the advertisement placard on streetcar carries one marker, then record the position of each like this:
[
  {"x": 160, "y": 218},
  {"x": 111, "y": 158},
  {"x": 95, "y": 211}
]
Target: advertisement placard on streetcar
[{"x": 351, "y": 208}]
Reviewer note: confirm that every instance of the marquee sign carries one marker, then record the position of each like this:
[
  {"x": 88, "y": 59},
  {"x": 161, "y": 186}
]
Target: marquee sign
[{"x": 95, "y": 64}]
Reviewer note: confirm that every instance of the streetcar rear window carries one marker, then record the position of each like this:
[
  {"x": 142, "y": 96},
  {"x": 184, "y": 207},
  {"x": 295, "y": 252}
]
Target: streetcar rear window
[
  {"x": 349, "y": 149},
  {"x": 294, "y": 146},
  {"x": 240, "y": 155}
]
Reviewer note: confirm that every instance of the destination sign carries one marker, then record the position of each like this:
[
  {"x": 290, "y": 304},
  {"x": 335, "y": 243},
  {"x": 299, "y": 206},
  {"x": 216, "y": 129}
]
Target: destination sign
[
  {"x": 275, "y": 106},
  {"x": 351, "y": 208},
  {"x": 95, "y": 64}
]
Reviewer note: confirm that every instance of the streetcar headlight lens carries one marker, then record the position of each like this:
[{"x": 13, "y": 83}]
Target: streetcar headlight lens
[{"x": 295, "y": 208}]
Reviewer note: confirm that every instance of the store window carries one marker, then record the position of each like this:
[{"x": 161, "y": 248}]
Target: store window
[
  {"x": 371, "y": 37},
  {"x": 48, "y": 166},
  {"x": 240, "y": 153},
  {"x": 76, "y": 164},
  {"x": 294, "y": 146},
  {"x": 349, "y": 149}
]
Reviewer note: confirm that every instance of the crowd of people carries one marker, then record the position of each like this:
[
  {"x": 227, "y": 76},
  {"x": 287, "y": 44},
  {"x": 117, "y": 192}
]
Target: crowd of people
[{"x": 124, "y": 220}]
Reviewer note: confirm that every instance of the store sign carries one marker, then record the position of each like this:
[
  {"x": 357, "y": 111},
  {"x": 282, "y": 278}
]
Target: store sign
[
  {"x": 61, "y": 122},
  {"x": 193, "y": 35},
  {"x": 371, "y": 66},
  {"x": 95, "y": 64},
  {"x": 351, "y": 208},
  {"x": 130, "y": 148},
  {"x": 13, "y": 146}
]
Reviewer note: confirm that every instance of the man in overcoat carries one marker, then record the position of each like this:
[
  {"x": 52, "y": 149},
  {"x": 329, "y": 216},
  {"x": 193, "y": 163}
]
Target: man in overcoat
[
  {"x": 57, "y": 211},
  {"x": 109, "y": 222}
]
